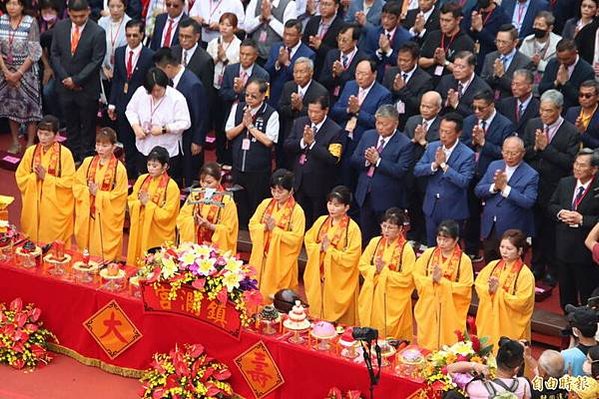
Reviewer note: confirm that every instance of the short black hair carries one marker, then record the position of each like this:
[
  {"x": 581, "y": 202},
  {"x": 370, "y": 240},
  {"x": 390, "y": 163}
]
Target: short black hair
[
  {"x": 155, "y": 76},
  {"x": 591, "y": 83},
  {"x": 78, "y": 5},
  {"x": 282, "y": 178},
  {"x": 510, "y": 354},
  {"x": 566, "y": 45},
  {"x": 49, "y": 123},
  {"x": 211, "y": 169},
  {"x": 468, "y": 56},
  {"x": 356, "y": 31},
  {"x": 509, "y": 28},
  {"x": 392, "y": 7},
  {"x": 132, "y": 23},
  {"x": 249, "y": 42},
  {"x": 187, "y": 22},
  {"x": 262, "y": 84},
  {"x": 455, "y": 118},
  {"x": 450, "y": 7},
  {"x": 395, "y": 216},
  {"x": 341, "y": 193},
  {"x": 410, "y": 47},
  {"x": 449, "y": 228},
  {"x": 49, "y": 4},
  {"x": 294, "y": 23},
  {"x": 323, "y": 101},
  {"x": 159, "y": 154},
  {"x": 486, "y": 95},
  {"x": 164, "y": 56}
]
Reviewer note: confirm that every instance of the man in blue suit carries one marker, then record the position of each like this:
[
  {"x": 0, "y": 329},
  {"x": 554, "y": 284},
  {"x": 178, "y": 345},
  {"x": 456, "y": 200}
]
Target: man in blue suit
[
  {"x": 382, "y": 158},
  {"x": 484, "y": 133},
  {"x": 131, "y": 64},
  {"x": 355, "y": 109},
  {"x": 522, "y": 13},
  {"x": 381, "y": 43},
  {"x": 586, "y": 116},
  {"x": 191, "y": 87},
  {"x": 509, "y": 189},
  {"x": 449, "y": 166},
  {"x": 282, "y": 57},
  {"x": 166, "y": 27}
]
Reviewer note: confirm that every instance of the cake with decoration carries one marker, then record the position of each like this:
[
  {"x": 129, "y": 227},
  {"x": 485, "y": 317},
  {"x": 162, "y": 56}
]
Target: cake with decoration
[
  {"x": 411, "y": 356},
  {"x": 269, "y": 313},
  {"x": 324, "y": 330},
  {"x": 297, "y": 318}
]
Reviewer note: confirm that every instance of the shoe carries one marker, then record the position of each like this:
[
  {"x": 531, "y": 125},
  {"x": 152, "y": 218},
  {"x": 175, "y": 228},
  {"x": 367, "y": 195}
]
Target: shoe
[{"x": 550, "y": 280}]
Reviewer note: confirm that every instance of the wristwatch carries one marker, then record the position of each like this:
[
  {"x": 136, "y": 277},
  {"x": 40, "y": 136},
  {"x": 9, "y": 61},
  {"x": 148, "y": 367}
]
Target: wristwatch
[
  {"x": 446, "y": 63},
  {"x": 251, "y": 126}
]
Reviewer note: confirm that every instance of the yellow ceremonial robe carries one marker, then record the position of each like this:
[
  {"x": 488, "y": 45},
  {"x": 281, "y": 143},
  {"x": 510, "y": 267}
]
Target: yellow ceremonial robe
[
  {"x": 394, "y": 287},
  {"x": 277, "y": 269},
  {"x": 441, "y": 308},
  {"x": 154, "y": 224},
  {"x": 505, "y": 313},
  {"x": 48, "y": 205},
  {"x": 334, "y": 299},
  {"x": 224, "y": 236},
  {"x": 109, "y": 213}
]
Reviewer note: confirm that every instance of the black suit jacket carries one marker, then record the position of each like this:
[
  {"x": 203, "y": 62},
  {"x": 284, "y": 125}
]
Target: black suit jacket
[
  {"x": 335, "y": 84},
  {"x": 504, "y": 84},
  {"x": 465, "y": 105},
  {"x": 555, "y": 161},
  {"x": 585, "y": 41},
  {"x": 507, "y": 107},
  {"x": 318, "y": 174},
  {"x": 431, "y": 24},
  {"x": 569, "y": 243},
  {"x": 83, "y": 66},
  {"x": 202, "y": 65},
  {"x": 419, "y": 83},
  {"x": 582, "y": 71},
  {"x": 329, "y": 41},
  {"x": 118, "y": 97},
  {"x": 159, "y": 27},
  {"x": 286, "y": 114},
  {"x": 432, "y": 134}
]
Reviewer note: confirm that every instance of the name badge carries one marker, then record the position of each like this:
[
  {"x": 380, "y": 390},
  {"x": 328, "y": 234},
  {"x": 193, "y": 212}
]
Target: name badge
[
  {"x": 401, "y": 107},
  {"x": 245, "y": 145},
  {"x": 302, "y": 159},
  {"x": 263, "y": 36},
  {"x": 126, "y": 88},
  {"x": 439, "y": 70}
]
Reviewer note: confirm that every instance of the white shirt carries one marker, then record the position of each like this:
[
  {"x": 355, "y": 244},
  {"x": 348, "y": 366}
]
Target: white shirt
[
  {"x": 509, "y": 171},
  {"x": 426, "y": 17},
  {"x": 171, "y": 112},
  {"x": 317, "y": 126},
  {"x": 520, "y": 11},
  {"x": 488, "y": 120},
  {"x": 465, "y": 85},
  {"x": 252, "y": 22},
  {"x": 231, "y": 52},
  {"x": 578, "y": 185},
  {"x": 447, "y": 152},
  {"x": 408, "y": 74},
  {"x": 211, "y": 11},
  {"x": 272, "y": 126},
  {"x": 187, "y": 55},
  {"x": 302, "y": 90},
  {"x": 571, "y": 67},
  {"x": 524, "y": 103},
  {"x": 173, "y": 30}
]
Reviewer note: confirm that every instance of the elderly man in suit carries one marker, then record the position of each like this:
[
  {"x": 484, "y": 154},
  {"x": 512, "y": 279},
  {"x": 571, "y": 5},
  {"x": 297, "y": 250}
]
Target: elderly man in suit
[
  {"x": 566, "y": 72},
  {"x": 77, "y": 52},
  {"x": 131, "y": 64},
  {"x": 522, "y": 106},
  {"x": 294, "y": 101},
  {"x": 551, "y": 145},
  {"x": 500, "y": 65},
  {"x": 585, "y": 116},
  {"x": 339, "y": 65},
  {"x": 523, "y": 12},
  {"x": 365, "y": 16},
  {"x": 383, "y": 158},
  {"x": 407, "y": 82},
  {"x": 315, "y": 145},
  {"x": 575, "y": 207},
  {"x": 282, "y": 57},
  {"x": 422, "y": 20},
  {"x": 321, "y": 31},
  {"x": 166, "y": 28},
  {"x": 449, "y": 167},
  {"x": 459, "y": 88},
  {"x": 509, "y": 190}
]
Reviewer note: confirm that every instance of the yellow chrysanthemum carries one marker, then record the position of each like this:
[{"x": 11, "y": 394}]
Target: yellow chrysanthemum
[
  {"x": 233, "y": 265},
  {"x": 169, "y": 268},
  {"x": 231, "y": 281}
]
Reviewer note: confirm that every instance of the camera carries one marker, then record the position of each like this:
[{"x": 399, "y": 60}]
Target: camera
[{"x": 365, "y": 334}]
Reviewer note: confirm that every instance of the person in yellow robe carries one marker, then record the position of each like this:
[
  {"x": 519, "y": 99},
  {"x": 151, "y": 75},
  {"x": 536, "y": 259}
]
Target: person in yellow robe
[
  {"x": 506, "y": 293},
  {"x": 443, "y": 278},
  {"x": 385, "y": 300},
  {"x": 213, "y": 223},
  {"x": 153, "y": 207},
  {"x": 277, "y": 230},
  {"x": 45, "y": 179},
  {"x": 100, "y": 191},
  {"x": 334, "y": 246}
]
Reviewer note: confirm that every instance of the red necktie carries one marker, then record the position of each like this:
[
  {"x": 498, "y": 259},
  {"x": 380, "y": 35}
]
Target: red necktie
[
  {"x": 130, "y": 65},
  {"x": 169, "y": 33}
]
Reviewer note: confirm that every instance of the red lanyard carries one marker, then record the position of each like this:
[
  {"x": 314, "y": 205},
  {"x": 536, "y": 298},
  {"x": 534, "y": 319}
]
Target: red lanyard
[
  {"x": 116, "y": 36},
  {"x": 487, "y": 17},
  {"x": 577, "y": 201},
  {"x": 153, "y": 108},
  {"x": 450, "y": 42},
  {"x": 11, "y": 37},
  {"x": 521, "y": 13}
]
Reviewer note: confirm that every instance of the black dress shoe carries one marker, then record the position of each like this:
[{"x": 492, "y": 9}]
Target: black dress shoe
[{"x": 550, "y": 280}]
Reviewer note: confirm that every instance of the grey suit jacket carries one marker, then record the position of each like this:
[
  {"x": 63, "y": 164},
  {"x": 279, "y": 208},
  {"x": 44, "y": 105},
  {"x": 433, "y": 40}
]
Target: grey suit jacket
[{"x": 503, "y": 85}]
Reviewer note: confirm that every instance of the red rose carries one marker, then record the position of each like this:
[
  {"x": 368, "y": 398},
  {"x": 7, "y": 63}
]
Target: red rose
[{"x": 444, "y": 370}]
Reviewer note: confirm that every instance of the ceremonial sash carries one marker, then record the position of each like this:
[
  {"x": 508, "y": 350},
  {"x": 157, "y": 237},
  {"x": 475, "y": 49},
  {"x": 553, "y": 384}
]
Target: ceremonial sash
[
  {"x": 160, "y": 190},
  {"x": 396, "y": 257},
  {"x": 107, "y": 183},
  {"x": 54, "y": 166},
  {"x": 452, "y": 264},
  {"x": 204, "y": 234},
  {"x": 284, "y": 221},
  {"x": 512, "y": 277}
]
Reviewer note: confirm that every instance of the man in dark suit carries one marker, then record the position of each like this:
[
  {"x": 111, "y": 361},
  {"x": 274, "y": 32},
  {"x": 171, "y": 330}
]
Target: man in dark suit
[
  {"x": 166, "y": 27},
  {"x": 77, "y": 52},
  {"x": 459, "y": 88},
  {"x": 315, "y": 147},
  {"x": 232, "y": 90},
  {"x": 320, "y": 33},
  {"x": 422, "y": 129},
  {"x": 294, "y": 101},
  {"x": 575, "y": 207},
  {"x": 193, "y": 90},
  {"x": 339, "y": 65},
  {"x": 282, "y": 57},
  {"x": 484, "y": 132},
  {"x": 522, "y": 106},
  {"x": 523, "y": 12},
  {"x": 566, "y": 72},
  {"x": 586, "y": 116},
  {"x": 131, "y": 64},
  {"x": 381, "y": 43},
  {"x": 509, "y": 191},
  {"x": 551, "y": 145},
  {"x": 422, "y": 20},
  {"x": 382, "y": 158},
  {"x": 449, "y": 166},
  {"x": 500, "y": 65},
  {"x": 407, "y": 82}
]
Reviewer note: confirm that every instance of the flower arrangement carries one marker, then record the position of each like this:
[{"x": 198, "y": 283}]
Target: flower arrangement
[
  {"x": 23, "y": 341},
  {"x": 469, "y": 348},
  {"x": 335, "y": 393},
  {"x": 212, "y": 273},
  {"x": 186, "y": 373}
]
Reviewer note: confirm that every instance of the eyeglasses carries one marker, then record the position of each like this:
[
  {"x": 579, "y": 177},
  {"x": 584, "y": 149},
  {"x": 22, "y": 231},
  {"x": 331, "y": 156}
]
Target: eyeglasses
[
  {"x": 586, "y": 95},
  {"x": 480, "y": 107}
]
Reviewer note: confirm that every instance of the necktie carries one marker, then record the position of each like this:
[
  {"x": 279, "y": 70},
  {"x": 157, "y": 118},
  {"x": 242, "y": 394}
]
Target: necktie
[
  {"x": 483, "y": 125},
  {"x": 425, "y": 125},
  {"x": 322, "y": 30},
  {"x": 520, "y": 111},
  {"x": 404, "y": 76},
  {"x": 578, "y": 198},
  {"x": 546, "y": 132},
  {"x": 168, "y": 34},
  {"x": 243, "y": 76},
  {"x": 460, "y": 89},
  {"x": 388, "y": 34},
  {"x": 344, "y": 60},
  {"x": 314, "y": 129},
  {"x": 75, "y": 36},
  {"x": 361, "y": 95},
  {"x": 379, "y": 149},
  {"x": 130, "y": 65},
  {"x": 288, "y": 51},
  {"x": 503, "y": 60},
  {"x": 184, "y": 58}
]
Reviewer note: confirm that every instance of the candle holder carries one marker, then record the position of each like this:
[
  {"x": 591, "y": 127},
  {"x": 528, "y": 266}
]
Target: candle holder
[{"x": 29, "y": 255}]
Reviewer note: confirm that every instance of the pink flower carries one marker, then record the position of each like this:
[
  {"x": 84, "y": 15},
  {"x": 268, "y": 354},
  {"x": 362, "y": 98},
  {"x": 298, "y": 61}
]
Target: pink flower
[
  {"x": 212, "y": 390},
  {"x": 16, "y": 305},
  {"x": 35, "y": 314},
  {"x": 334, "y": 393},
  {"x": 252, "y": 298},
  {"x": 222, "y": 374},
  {"x": 199, "y": 284},
  {"x": 31, "y": 327},
  {"x": 195, "y": 350},
  {"x": 21, "y": 319},
  {"x": 444, "y": 370}
]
